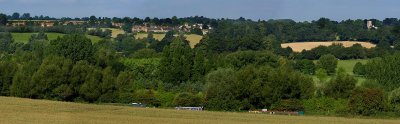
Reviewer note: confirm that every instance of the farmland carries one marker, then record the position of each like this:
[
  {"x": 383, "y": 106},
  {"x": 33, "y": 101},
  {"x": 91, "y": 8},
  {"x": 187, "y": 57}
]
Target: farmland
[
  {"x": 299, "y": 46},
  {"x": 192, "y": 38},
  {"x": 18, "y": 110},
  {"x": 24, "y": 37}
]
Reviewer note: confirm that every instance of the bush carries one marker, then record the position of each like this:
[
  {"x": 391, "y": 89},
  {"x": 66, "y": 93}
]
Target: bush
[
  {"x": 187, "y": 100},
  {"x": 394, "y": 96},
  {"x": 367, "y": 101},
  {"x": 325, "y": 106},
  {"x": 288, "y": 105},
  {"x": 341, "y": 86}
]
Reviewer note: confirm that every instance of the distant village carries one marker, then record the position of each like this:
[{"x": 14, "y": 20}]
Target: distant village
[{"x": 145, "y": 27}]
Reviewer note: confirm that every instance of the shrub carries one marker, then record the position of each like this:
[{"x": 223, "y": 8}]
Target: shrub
[
  {"x": 325, "y": 106},
  {"x": 367, "y": 101},
  {"x": 187, "y": 99},
  {"x": 288, "y": 105}
]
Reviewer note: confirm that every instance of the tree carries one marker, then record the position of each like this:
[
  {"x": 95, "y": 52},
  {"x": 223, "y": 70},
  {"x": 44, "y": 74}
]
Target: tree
[
  {"x": 341, "y": 86},
  {"x": 328, "y": 62},
  {"x": 3, "y": 19},
  {"x": 306, "y": 66},
  {"x": 167, "y": 40},
  {"x": 6, "y": 42},
  {"x": 359, "y": 69},
  {"x": 75, "y": 47},
  {"x": 176, "y": 62},
  {"x": 15, "y": 16},
  {"x": 26, "y": 16},
  {"x": 51, "y": 75}
]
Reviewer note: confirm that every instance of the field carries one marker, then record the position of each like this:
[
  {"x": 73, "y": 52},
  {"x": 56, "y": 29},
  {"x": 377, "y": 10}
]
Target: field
[
  {"x": 299, "y": 46},
  {"x": 24, "y": 37},
  {"x": 114, "y": 31},
  {"x": 348, "y": 66},
  {"x": 192, "y": 38},
  {"x": 21, "y": 111}
]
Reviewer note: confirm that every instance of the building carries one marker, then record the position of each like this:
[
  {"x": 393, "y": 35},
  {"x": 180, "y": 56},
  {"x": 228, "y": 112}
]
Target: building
[
  {"x": 370, "y": 25},
  {"x": 115, "y": 24}
]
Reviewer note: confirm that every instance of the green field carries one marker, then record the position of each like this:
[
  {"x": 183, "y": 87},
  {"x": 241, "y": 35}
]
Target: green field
[
  {"x": 24, "y": 37},
  {"x": 21, "y": 111},
  {"x": 348, "y": 66}
]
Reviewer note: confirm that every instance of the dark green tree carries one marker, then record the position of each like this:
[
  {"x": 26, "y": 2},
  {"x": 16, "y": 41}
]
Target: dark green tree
[
  {"x": 75, "y": 47},
  {"x": 176, "y": 63},
  {"x": 328, "y": 62}
]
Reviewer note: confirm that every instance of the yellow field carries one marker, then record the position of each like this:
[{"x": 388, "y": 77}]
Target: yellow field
[
  {"x": 21, "y": 111},
  {"x": 114, "y": 31},
  {"x": 192, "y": 38},
  {"x": 144, "y": 35},
  {"x": 299, "y": 46}
]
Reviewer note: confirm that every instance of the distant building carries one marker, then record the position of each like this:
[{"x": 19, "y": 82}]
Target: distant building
[
  {"x": 370, "y": 25},
  {"x": 117, "y": 24}
]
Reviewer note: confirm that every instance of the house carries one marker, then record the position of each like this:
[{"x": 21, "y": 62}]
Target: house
[
  {"x": 115, "y": 24},
  {"x": 370, "y": 25}
]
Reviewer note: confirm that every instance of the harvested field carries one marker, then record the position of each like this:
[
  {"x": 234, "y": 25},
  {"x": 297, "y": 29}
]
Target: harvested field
[{"x": 299, "y": 46}]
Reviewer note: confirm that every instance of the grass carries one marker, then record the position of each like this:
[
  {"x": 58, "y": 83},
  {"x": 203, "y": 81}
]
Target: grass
[
  {"x": 192, "y": 38},
  {"x": 24, "y": 37},
  {"x": 21, "y": 111}
]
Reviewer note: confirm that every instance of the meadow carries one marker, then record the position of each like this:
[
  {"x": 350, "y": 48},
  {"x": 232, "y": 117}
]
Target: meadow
[
  {"x": 24, "y": 37},
  {"x": 21, "y": 111},
  {"x": 299, "y": 46}
]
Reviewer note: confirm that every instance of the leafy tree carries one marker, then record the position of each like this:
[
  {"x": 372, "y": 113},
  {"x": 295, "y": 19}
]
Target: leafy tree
[
  {"x": 305, "y": 66},
  {"x": 341, "y": 86},
  {"x": 359, "y": 69},
  {"x": 6, "y": 42},
  {"x": 176, "y": 62},
  {"x": 15, "y": 16},
  {"x": 3, "y": 19},
  {"x": 7, "y": 71},
  {"x": 75, "y": 47},
  {"x": 52, "y": 74},
  {"x": 384, "y": 71},
  {"x": 328, "y": 62}
]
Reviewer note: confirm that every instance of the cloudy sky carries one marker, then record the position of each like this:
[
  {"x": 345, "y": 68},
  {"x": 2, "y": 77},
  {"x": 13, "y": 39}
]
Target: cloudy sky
[{"x": 299, "y": 10}]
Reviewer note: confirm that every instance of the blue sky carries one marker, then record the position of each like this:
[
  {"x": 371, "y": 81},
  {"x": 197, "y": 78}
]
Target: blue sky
[{"x": 299, "y": 10}]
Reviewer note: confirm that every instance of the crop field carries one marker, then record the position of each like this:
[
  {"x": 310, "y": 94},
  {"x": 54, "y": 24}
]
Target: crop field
[
  {"x": 21, "y": 111},
  {"x": 299, "y": 46},
  {"x": 24, "y": 37},
  {"x": 192, "y": 38}
]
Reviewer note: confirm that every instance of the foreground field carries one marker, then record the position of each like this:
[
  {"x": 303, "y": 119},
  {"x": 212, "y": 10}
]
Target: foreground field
[
  {"x": 300, "y": 46},
  {"x": 24, "y": 37},
  {"x": 20, "y": 111},
  {"x": 192, "y": 38}
]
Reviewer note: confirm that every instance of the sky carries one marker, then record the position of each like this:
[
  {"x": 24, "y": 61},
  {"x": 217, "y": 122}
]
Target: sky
[{"x": 298, "y": 10}]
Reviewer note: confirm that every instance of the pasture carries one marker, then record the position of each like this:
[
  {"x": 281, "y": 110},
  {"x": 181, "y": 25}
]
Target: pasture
[
  {"x": 24, "y": 37},
  {"x": 192, "y": 38},
  {"x": 300, "y": 46},
  {"x": 21, "y": 111}
]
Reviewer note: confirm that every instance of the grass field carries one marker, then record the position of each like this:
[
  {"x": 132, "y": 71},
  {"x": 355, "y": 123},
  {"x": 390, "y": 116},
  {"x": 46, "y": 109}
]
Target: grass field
[
  {"x": 192, "y": 38},
  {"x": 299, "y": 46},
  {"x": 348, "y": 66},
  {"x": 24, "y": 37},
  {"x": 21, "y": 111}
]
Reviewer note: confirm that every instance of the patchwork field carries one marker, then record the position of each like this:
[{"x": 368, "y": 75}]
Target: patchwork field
[
  {"x": 21, "y": 111},
  {"x": 300, "y": 46},
  {"x": 24, "y": 37},
  {"x": 192, "y": 38}
]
